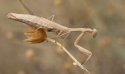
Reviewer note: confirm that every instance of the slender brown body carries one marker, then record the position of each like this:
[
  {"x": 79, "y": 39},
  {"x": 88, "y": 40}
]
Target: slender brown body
[{"x": 38, "y": 22}]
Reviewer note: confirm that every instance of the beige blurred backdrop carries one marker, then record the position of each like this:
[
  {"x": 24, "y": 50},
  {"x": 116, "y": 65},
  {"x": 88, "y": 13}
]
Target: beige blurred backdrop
[{"x": 108, "y": 48}]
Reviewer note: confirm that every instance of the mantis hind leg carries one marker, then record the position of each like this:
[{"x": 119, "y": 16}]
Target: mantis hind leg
[{"x": 51, "y": 17}]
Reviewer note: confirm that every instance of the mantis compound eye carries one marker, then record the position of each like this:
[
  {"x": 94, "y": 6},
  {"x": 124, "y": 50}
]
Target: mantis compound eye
[
  {"x": 94, "y": 33},
  {"x": 35, "y": 35}
]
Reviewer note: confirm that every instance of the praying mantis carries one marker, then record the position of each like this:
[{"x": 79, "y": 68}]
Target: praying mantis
[{"x": 40, "y": 26}]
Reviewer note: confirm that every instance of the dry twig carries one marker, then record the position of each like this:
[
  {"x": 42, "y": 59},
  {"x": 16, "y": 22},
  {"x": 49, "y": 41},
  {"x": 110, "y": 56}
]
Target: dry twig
[{"x": 70, "y": 55}]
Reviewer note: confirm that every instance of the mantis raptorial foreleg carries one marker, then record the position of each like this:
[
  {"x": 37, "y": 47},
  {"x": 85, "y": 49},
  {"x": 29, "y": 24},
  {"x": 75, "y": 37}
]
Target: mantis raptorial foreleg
[{"x": 81, "y": 49}]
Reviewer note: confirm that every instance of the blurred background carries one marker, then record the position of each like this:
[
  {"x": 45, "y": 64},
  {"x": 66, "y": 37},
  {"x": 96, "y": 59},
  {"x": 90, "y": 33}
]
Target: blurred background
[{"x": 108, "y": 48}]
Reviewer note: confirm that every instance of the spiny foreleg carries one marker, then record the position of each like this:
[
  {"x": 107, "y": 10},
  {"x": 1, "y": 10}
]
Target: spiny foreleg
[{"x": 81, "y": 49}]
